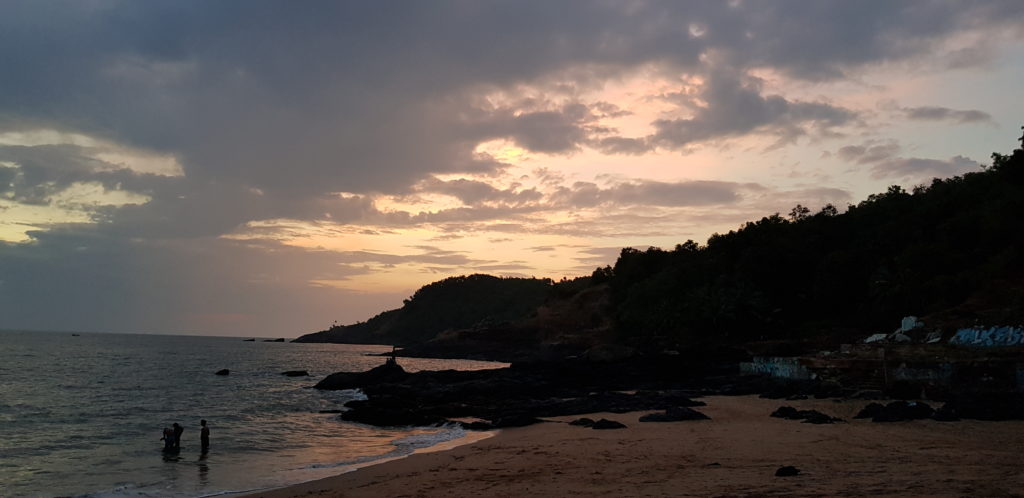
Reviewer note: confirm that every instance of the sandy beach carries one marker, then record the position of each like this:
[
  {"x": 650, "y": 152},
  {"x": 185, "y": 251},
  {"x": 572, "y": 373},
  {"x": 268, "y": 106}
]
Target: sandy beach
[{"x": 734, "y": 454}]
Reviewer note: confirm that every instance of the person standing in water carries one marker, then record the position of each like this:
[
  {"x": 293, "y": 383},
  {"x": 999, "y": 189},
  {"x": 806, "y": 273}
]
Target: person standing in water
[
  {"x": 168, "y": 439},
  {"x": 204, "y": 436},
  {"x": 177, "y": 435}
]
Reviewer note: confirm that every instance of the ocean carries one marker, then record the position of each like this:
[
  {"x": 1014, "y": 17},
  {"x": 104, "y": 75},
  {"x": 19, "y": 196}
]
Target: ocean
[{"x": 82, "y": 415}]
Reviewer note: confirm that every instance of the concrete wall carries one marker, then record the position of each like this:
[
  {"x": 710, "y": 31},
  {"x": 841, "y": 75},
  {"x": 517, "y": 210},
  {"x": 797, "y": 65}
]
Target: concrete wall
[
  {"x": 989, "y": 337},
  {"x": 779, "y": 367}
]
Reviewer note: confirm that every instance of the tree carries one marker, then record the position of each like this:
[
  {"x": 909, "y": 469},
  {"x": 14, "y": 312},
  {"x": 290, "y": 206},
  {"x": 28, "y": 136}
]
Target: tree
[{"x": 799, "y": 213}]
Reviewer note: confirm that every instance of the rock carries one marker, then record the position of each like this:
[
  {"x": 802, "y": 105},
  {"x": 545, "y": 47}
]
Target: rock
[
  {"x": 476, "y": 426},
  {"x": 868, "y": 394},
  {"x": 584, "y": 422},
  {"x": 986, "y": 406},
  {"x": 388, "y": 372},
  {"x": 946, "y": 413},
  {"x": 675, "y": 414},
  {"x": 786, "y": 412},
  {"x": 223, "y": 372},
  {"x": 296, "y": 373},
  {"x": 389, "y": 413},
  {"x": 816, "y": 417},
  {"x": 787, "y": 471},
  {"x": 870, "y": 411},
  {"x": 607, "y": 424},
  {"x": 274, "y": 340},
  {"x": 899, "y": 411},
  {"x": 515, "y": 421},
  {"x": 808, "y": 416}
]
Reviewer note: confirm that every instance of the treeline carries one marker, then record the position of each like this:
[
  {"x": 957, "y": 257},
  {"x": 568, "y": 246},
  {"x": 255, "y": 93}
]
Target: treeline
[{"x": 949, "y": 250}]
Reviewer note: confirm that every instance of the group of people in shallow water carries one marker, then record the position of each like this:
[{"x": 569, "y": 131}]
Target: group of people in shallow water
[{"x": 172, "y": 437}]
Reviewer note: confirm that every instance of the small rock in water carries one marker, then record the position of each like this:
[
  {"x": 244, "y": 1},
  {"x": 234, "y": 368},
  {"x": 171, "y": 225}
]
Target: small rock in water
[
  {"x": 787, "y": 471},
  {"x": 608, "y": 424},
  {"x": 296, "y": 373},
  {"x": 223, "y": 372}
]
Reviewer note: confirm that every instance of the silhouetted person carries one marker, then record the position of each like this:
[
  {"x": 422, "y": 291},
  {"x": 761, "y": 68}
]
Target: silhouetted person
[
  {"x": 177, "y": 435},
  {"x": 168, "y": 439},
  {"x": 204, "y": 436}
]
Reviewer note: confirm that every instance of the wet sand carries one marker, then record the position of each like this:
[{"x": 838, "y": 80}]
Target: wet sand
[{"x": 734, "y": 454}]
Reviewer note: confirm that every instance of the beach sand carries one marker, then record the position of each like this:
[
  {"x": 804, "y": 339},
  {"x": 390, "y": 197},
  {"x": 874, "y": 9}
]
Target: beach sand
[{"x": 734, "y": 454}]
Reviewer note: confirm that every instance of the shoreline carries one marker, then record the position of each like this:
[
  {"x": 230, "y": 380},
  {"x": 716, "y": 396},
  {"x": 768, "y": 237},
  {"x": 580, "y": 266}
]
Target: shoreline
[{"x": 734, "y": 453}]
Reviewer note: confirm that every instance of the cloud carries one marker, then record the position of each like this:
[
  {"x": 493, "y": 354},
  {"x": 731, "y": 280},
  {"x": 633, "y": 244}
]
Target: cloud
[
  {"x": 947, "y": 114},
  {"x": 869, "y": 152},
  {"x": 919, "y": 168},
  {"x": 650, "y": 193},
  {"x": 734, "y": 105},
  {"x": 262, "y": 118}
]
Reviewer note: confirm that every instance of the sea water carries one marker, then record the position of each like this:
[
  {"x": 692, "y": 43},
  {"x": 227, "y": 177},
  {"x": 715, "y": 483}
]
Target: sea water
[{"x": 82, "y": 415}]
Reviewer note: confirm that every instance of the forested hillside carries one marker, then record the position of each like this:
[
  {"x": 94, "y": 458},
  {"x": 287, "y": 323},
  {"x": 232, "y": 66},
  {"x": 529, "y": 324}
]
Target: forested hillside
[
  {"x": 951, "y": 252},
  {"x": 452, "y": 303}
]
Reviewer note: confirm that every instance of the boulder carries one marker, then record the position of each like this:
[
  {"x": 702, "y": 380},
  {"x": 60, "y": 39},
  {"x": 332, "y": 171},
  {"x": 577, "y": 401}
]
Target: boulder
[
  {"x": 296, "y": 373},
  {"x": 675, "y": 414},
  {"x": 607, "y": 424},
  {"x": 584, "y": 422},
  {"x": 515, "y": 421},
  {"x": 870, "y": 411},
  {"x": 389, "y": 413},
  {"x": 223, "y": 372},
  {"x": 899, "y": 411},
  {"x": 388, "y": 372},
  {"x": 808, "y": 416},
  {"x": 787, "y": 471},
  {"x": 986, "y": 406}
]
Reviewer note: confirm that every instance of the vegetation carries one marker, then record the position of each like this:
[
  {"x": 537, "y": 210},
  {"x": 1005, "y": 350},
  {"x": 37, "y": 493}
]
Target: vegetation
[
  {"x": 952, "y": 248},
  {"x": 450, "y": 304},
  {"x": 951, "y": 251}
]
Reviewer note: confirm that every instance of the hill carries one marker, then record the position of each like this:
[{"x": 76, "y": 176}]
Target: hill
[{"x": 951, "y": 252}]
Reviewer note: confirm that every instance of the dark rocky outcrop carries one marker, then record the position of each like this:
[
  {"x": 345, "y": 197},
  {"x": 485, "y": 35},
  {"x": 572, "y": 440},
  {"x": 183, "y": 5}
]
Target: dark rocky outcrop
[
  {"x": 808, "y": 416},
  {"x": 517, "y": 420},
  {"x": 388, "y": 372},
  {"x": 984, "y": 406},
  {"x": 896, "y": 411},
  {"x": 787, "y": 471},
  {"x": 540, "y": 389},
  {"x": 295, "y": 373},
  {"x": 583, "y": 422},
  {"x": 223, "y": 371},
  {"x": 675, "y": 414},
  {"x": 605, "y": 424},
  {"x": 274, "y": 340}
]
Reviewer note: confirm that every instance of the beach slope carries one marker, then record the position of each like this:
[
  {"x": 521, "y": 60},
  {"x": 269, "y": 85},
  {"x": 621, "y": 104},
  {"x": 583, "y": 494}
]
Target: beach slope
[{"x": 736, "y": 453}]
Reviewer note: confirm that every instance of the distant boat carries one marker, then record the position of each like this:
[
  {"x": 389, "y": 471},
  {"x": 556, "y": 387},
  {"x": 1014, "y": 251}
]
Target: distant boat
[
  {"x": 75, "y": 335},
  {"x": 248, "y": 340}
]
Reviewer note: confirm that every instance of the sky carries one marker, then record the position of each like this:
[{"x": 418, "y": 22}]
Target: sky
[{"x": 257, "y": 168}]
